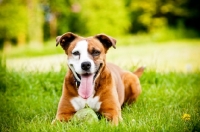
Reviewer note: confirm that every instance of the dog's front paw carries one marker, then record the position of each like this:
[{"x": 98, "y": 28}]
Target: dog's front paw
[
  {"x": 120, "y": 119},
  {"x": 54, "y": 122}
]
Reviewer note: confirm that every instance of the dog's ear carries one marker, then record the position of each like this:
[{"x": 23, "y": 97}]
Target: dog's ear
[
  {"x": 65, "y": 40},
  {"x": 106, "y": 40}
]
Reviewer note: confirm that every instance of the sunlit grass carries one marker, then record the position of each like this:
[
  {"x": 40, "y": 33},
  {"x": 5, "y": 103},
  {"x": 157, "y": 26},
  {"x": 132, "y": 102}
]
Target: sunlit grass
[
  {"x": 29, "y": 102},
  {"x": 180, "y": 55},
  {"x": 30, "y": 50},
  {"x": 170, "y": 86},
  {"x": 49, "y": 47},
  {"x": 167, "y": 56}
]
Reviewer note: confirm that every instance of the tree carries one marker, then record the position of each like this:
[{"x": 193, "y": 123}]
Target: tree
[
  {"x": 149, "y": 15},
  {"x": 57, "y": 17},
  {"x": 106, "y": 16},
  {"x": 35, "y": 22},
  {"x": 20, "y": 21},
  {"x": 13, "y": 23}
]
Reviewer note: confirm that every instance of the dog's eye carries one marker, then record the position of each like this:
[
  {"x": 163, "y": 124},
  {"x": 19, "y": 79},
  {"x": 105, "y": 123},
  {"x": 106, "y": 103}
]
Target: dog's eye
[
  {"x": 96, "y": 53},
  {"x": 76, "y": 53}
]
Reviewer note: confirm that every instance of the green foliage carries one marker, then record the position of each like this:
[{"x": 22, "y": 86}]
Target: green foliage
[
  {"x": 20, "y": 21},
  {"x": 61, "y": 16},
  {"x": 149, "y": 16},
  {"x": 61, "y": 11},
  {"x": 34, "y": 20},
  {"x": 164, "y": 34},
  {"x": 90, "y": 17},
  {"x": 107, "y": 16},
  {"x": 14, "y": 20}
]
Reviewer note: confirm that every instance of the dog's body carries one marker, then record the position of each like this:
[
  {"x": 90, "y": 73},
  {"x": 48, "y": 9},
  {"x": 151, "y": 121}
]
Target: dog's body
[{"x": 104, "y": 87}]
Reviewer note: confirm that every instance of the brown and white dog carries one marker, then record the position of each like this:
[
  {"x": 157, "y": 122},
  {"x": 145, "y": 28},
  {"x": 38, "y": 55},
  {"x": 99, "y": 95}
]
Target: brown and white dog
[{"x": 90, "y": 80}]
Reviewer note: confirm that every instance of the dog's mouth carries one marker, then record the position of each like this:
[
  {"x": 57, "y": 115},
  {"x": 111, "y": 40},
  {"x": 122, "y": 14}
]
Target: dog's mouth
[
  {"x": 95, "y": 75},
  {"x": 85, "y": 82}
]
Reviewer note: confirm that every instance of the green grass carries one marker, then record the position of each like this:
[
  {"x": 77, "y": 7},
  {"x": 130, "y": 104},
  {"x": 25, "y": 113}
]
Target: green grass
[
  {"x": 28, "y": 100},
  {"x": 49, "y": 47},
  {"x": 31, "y": 50},
  {"x": 166, "y": 56},
  {"x": 28, "y": 103}
]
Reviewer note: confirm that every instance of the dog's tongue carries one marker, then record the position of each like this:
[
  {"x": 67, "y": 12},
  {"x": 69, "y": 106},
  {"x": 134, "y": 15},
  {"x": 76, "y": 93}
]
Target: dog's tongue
[{"x": 86, "y": 86}]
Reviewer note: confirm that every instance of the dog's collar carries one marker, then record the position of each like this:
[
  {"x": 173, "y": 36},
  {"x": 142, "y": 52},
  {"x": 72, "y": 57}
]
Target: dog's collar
[{"x": 77, "y": 82}]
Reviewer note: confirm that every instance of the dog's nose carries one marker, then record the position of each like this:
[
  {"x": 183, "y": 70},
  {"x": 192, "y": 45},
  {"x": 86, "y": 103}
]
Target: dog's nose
[{"x": 86, "y": 65}]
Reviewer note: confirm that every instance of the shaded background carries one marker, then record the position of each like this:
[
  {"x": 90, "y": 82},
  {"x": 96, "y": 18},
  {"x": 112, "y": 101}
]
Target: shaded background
[{"x": 35, "y": 21}]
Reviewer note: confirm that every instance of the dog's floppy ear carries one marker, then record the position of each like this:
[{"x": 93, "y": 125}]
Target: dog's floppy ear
[
  {"x": 106, "y": 40},
  {"x": 65, "y": 40}
]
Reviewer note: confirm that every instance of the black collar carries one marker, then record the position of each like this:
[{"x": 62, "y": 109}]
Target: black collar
[{"x": 77, "y": 83}]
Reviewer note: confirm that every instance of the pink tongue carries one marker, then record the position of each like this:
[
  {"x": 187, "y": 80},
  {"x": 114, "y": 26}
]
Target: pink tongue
[{"x": 86, "y": 86}]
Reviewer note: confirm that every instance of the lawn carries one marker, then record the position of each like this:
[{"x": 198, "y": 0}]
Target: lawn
[
  {"x": 179, "y": 56},
  {"x": 169, "y": 101}
]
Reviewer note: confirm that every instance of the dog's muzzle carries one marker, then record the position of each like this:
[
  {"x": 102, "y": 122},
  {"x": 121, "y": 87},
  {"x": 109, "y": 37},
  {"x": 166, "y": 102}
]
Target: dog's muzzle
[{"x": 85, "y": 82}]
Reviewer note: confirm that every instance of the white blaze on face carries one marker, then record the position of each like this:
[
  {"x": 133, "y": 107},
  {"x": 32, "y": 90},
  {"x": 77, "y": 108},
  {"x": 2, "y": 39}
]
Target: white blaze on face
[
  {"x": 86, "y": 87},
  {"x": 76, "y": 60}
]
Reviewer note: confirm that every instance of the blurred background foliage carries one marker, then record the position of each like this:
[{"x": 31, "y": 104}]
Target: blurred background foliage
[{"x": 35, "y": 21}]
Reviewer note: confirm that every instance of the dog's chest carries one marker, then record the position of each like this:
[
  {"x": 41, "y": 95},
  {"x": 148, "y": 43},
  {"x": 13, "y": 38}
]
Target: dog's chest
[{"x": 80, "y": 103}]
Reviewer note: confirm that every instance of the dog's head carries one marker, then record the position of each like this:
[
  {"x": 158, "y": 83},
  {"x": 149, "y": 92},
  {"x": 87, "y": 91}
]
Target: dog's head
[{"x": 86, "y": 58}]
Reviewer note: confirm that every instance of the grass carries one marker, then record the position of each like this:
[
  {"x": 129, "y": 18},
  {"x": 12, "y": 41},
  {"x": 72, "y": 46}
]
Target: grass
[
  {"x": 29, "y": 99},
  {"x": 29, "y": 103},
  {"x": 49, "y": 47},
  {"x": 166, "y": 56},
  {"x": 31, "y": 50}
]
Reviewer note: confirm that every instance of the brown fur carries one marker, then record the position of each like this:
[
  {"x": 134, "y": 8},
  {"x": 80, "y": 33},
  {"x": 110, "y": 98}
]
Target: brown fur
[{"x": 114, "y": 86}]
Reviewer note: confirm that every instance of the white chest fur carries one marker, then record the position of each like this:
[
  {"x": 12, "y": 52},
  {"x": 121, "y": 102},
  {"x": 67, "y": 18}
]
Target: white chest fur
[{"x": 79, "y": 103}]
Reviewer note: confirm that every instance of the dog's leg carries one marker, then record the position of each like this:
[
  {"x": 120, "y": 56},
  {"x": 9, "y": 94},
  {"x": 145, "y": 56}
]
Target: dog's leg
[
  {"x": 111, "y": 110},
  {"x": 65, "y": 110},
  {"x": 112, "y": 116},
  {"x": 132, "y": 87}
]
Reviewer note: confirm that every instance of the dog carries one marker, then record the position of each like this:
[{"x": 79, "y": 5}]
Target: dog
[{"x": 92, "y": 81}]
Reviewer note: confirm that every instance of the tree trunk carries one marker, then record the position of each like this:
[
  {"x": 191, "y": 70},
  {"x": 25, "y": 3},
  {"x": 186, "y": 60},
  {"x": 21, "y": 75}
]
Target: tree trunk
[{"x": 35, "y": 22}]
